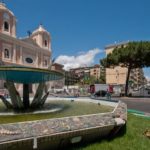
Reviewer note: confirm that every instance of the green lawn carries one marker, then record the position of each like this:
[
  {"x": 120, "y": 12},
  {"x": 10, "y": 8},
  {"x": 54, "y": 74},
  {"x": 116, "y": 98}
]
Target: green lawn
[
  {"x": 68, "y": 109},
  {"x": 132, "y": 140}
]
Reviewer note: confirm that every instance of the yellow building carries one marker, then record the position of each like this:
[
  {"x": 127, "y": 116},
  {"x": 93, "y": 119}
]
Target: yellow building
[{"x": 118, "y": 74}]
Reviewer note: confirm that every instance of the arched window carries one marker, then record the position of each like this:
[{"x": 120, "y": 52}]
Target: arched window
[
  {"x": 45, "y": 43},
  {"x": 6, "y": 53},
  {"x": 6, "y": 26}
]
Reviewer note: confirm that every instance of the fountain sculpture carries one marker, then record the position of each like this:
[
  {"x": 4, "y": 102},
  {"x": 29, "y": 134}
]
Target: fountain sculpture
[{"x": 26, "y": 76}]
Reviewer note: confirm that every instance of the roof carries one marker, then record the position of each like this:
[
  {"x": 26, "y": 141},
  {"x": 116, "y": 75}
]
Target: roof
[
  {"x": 57, "y": 64},
  {"x": 116, "y": 44},
  {"x": 40, "y": 29},
  {"x": 3, "y": 7},
  {"x": 86, "y": 68},
  {"x": 30, "y": 41}
]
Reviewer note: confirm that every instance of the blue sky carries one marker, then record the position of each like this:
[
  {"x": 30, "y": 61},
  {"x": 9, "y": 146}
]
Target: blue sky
[{"x": 77, "y": 26}]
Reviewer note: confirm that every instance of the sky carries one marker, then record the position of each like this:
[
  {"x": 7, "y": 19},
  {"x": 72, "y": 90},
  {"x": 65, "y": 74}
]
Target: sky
[{"x": 80, "y": 29}]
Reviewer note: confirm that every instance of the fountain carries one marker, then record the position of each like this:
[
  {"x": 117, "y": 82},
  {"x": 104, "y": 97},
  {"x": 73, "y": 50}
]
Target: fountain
[
  {"x": 26, "y": 76},
  {"x": 57, "y": 132}
]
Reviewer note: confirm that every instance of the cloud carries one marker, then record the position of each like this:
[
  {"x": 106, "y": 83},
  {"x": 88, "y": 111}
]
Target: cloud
[
  {"x": 148, "y": 78},
  {"x": 81, "y": 60}
]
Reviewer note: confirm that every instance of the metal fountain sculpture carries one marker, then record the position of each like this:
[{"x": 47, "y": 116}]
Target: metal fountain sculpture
[{"x": 26, "y": 76}]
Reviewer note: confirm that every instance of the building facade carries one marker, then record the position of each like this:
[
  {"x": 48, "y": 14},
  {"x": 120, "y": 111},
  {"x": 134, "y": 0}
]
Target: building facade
[
  {"x": 118, "y": 74},
  {"x": 31, "y": 51},
  {"x": 71, "y": 78},
  {"x": 95, "y": 71},
  {"x": 59, "y": 84},
  {"x": 85, "y": 73}
]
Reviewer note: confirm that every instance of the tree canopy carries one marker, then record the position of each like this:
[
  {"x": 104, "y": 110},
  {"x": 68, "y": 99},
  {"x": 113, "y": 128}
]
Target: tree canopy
[{"x": 133, "y": 55}]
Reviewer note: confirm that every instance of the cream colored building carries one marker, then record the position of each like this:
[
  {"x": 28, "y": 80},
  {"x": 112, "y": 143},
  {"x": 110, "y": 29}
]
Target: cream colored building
[
  {"x": 59, "y": 84},
  {"x": 93, "y": 71},
  {"x": 118, "y": 75},
  {"x": 32, "y": 51}
]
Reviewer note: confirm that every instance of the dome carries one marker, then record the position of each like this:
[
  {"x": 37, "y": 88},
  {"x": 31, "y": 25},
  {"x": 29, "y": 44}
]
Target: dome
[
  {"x": 40, "y": 29},
  {"x": 42, "y": 37},
  {"x": 4, "y": 8}
]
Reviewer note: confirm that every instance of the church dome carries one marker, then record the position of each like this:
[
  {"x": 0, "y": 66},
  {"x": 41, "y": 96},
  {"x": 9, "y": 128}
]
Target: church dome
[
  {"x": 8, "y": 21},
  {"x": 42, "y": 37},
  {"x": 40, "y": 29},
  {"x": 5, "y": 9}
]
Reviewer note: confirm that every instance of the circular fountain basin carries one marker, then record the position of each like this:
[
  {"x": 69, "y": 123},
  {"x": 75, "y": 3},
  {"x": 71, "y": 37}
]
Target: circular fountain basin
[{"x": 28, "y": 75}]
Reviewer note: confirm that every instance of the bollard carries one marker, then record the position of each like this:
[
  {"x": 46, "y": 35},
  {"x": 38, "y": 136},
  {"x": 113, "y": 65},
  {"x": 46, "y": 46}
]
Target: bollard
[{"x": 35, "y": 143}]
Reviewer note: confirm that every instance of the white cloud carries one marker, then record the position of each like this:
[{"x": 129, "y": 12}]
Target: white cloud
[
  {"x": 148, "y": 78},
  {"x": 81, "y": 60}
]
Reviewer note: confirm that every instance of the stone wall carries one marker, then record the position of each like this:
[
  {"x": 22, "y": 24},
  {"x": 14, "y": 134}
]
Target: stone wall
[{"x": 57, "y": 133}]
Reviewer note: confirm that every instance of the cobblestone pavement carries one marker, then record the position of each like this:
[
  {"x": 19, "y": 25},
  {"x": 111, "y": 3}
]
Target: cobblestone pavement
[{"x": 15, "y": 131}]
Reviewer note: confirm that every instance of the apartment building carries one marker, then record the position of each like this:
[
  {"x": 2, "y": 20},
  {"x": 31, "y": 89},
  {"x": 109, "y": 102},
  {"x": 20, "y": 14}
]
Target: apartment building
[
  {"x": 118, "y": 74},
  {"x": 87, "y": 72}
]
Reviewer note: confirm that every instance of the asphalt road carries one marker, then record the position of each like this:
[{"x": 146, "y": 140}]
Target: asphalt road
[{"x": 140, "y": 104}]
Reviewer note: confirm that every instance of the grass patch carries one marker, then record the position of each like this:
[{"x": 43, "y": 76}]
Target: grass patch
[
  {"x": 68, "y": 109},
  {"x": 133, "y": 139}
]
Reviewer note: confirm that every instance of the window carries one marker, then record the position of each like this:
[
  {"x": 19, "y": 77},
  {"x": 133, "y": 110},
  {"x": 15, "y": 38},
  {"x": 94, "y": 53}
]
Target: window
[
  {"x": 45, "y": 63},
  {"x": 45, "y": 43},
  {"x": 6, "y": 53},
  {"x": 6, "y": 26},
  {"x": 29, "y": 60}
]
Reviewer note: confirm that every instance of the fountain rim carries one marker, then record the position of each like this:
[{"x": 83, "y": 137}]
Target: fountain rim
[
  {"x": 18, "y": 69},
  {"x": 25, "y": 68}
]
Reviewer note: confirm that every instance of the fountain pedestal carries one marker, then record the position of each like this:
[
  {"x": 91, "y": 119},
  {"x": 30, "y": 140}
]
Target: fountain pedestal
[
  {"x": 26, "y": 76},
  {"x": 26, "y": 101}
]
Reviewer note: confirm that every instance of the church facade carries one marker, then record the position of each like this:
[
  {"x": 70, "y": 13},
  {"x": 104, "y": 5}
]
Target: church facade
[{"x": 31, "y": 51}]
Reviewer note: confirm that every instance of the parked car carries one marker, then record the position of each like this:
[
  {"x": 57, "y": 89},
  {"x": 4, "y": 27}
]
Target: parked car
[{"x": 100, "y": 93}]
